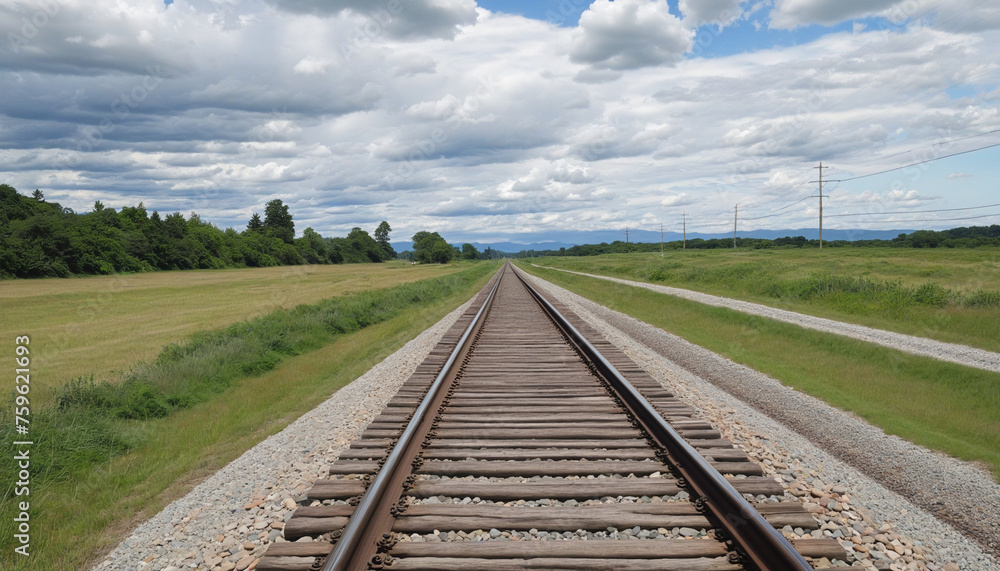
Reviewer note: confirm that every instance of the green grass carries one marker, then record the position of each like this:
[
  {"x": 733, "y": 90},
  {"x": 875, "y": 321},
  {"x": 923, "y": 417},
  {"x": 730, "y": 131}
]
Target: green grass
[
  {"x": 949, "y": 294},
  {"x": 939, "y": 405},
  {"x": 102, "y": 325},
  {"x": 83, "y": 505}
]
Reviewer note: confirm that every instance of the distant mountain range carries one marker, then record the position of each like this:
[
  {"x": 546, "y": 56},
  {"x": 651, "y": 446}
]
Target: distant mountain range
[{"x": 556, "y": 240}]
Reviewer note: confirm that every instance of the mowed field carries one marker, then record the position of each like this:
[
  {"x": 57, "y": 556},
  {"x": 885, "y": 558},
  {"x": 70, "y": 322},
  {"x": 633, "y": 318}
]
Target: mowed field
[
  {"x": 951, "y": 295},
  {"x": 104, "y": 324}
]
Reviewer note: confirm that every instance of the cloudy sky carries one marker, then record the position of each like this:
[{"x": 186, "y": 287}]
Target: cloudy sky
[{"x": 508, "y": 119}]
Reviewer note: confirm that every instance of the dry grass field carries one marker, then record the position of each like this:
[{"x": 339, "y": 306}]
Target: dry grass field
[
  {"x": 98, "y": 470},
  {"x": 103, "y": 324}
]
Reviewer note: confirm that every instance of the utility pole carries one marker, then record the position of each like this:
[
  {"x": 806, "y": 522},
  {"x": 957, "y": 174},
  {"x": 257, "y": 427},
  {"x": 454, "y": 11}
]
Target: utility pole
[
  {"x": 627, "y": 249},
  {"x": 685, "y": 246},
  {"x": 661, "y": 239},
  {"x": 736, "y": 213},
  {"x": 821, "y": 167}
]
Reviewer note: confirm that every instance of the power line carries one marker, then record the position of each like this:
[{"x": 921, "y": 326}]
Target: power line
[
  {"x": 780, "y": 199},
  {"x": 838, "y": 181},
  {"x": 915, "y": 164},
  {"x": 941, "y": 144},
  {"x": 916, "y": 211},
  {"x": 778, "y": 211},
  {"x": 934, "y": 219}
]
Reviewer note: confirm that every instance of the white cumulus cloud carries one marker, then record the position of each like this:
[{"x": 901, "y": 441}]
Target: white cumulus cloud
[{"x": 629, "y": 34}]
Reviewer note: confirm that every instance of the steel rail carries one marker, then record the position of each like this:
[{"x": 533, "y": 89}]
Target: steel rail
[
  {"x": 758, "y": 539},
  {"x": 344, "y": 556}
]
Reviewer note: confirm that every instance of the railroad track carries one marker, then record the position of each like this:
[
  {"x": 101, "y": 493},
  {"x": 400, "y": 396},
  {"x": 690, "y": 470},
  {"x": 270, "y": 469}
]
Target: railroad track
[{"x": 518, "y": 444}]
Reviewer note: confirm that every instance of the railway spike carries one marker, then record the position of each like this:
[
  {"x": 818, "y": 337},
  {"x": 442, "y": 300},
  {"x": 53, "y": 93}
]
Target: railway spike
[
  {"x": 737, "y": 557},
  {"x": 409, "y": 483},
  {"x": 398, "y": 509},
  {"x": 387, "y": 542}
]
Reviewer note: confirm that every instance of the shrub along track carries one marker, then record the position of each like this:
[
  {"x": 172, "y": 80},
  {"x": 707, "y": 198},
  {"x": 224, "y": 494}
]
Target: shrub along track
[{"x": 514, "y": 424}]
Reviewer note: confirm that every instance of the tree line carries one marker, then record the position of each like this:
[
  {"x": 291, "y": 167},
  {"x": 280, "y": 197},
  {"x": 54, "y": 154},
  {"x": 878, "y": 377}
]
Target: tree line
[
  {"x": 39, "y": 238},
  {"x": 965, "y": 237}
]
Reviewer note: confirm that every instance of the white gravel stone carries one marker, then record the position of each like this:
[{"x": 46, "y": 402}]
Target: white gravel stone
[{"x": 245, "y": 498}]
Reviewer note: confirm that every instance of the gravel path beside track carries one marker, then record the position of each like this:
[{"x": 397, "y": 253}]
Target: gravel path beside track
[
  {"x": 898, "y": 482},
  {"x": 961, "y": 354},
  {"x": 228, "y": 520}
]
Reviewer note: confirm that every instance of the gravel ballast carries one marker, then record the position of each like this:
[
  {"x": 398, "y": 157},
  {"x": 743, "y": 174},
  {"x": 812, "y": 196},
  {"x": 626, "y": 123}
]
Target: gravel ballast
[
  {"x": 227, "y": 521},
  {"x": 961, "y": 354},
  {"x": 902, "y": 485}
]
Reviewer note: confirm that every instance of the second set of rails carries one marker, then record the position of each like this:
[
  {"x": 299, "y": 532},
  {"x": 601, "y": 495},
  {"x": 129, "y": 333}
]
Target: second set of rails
[{"x": 527, "y": 441}]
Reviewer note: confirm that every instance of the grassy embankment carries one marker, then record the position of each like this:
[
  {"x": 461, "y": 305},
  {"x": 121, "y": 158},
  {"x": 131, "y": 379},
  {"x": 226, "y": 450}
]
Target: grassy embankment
[
  {"x": 951, "y": 295},
  {"x": 940, "y": 405},
  {"x": 98, "y": 467}
]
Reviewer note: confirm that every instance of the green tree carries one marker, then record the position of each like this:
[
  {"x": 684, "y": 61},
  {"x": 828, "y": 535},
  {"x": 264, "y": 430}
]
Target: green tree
[
  {"x": 37, "y": 195},
  {"x": 469, "y": 252},
  {"x": 312, "y": 247},
  {"x": 431, "y": 247},
  {"x": 442, "y": 253},
  {"x": 382, "y": 233},
  {"x": 255, "y": 224},
  {"x": 176, "y": 226},
  {"x": 382, "y": 238},
  {"x": 13, "y": 206},
  {"x": 365, "y": 247},
  {"x": 278, "y": 221}
]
